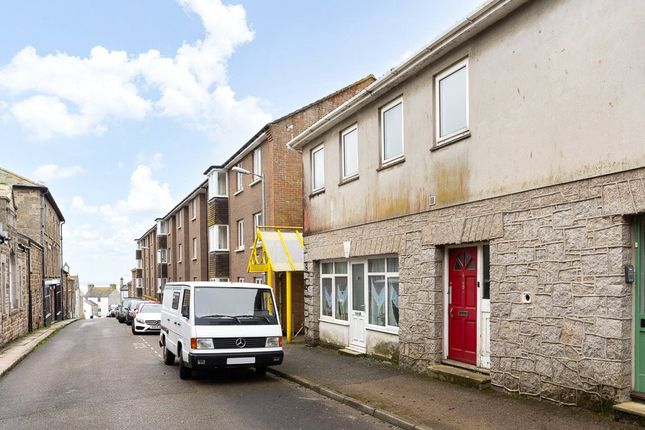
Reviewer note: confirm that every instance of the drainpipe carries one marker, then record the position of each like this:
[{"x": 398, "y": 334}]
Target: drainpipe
[
  {"x": 30, "y": 316},
  {"x": 42, "y": 260},
  {"x": 62, "y": 285}
]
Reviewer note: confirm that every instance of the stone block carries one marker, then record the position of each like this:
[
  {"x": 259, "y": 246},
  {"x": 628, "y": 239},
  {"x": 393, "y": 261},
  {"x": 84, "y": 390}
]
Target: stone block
[
  {"x": 573, "y": 332},
  {"x": 594, "y": 347}
]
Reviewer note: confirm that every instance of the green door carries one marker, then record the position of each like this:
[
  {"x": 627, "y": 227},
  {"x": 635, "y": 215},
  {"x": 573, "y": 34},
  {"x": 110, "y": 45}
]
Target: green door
[{"x": 640, "y": 306}]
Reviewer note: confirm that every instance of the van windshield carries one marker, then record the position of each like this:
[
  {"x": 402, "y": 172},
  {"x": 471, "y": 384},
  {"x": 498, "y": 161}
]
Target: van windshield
[{"x": 233, "y": 306}]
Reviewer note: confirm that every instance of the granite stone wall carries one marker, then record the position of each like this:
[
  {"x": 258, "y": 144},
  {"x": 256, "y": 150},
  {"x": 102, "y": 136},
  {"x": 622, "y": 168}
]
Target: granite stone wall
[{"x": 565, "y": 245}]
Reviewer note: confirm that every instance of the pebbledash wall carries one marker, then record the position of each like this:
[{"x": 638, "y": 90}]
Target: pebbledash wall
[{"x": 566, "y": 245}]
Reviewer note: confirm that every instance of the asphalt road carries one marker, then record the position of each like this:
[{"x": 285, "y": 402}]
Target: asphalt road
[{"x": 95, "y": 374}]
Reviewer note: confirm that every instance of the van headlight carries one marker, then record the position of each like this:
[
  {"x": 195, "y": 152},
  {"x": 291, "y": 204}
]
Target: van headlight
[
  {"x": 273, "y": 342},
  {"x": 204, "y": 343}
]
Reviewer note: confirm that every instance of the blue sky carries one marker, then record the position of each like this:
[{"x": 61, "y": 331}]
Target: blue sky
[{"x": 120, "y": 105}]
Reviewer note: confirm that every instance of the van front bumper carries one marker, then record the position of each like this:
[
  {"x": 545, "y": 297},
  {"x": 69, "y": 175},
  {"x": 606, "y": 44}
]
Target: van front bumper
[{"x": 210, "y": 361}]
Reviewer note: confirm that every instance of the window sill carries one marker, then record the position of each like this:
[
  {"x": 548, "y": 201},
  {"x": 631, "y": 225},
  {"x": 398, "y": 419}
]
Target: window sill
[
  {"x": 381, "y": 329},
  {"x": 391, "y": 163},
  {"x": 333, "y": 321},
  {"x": 348, "y": 180},
  {"x": 317, "y": 192},
  {"x": 257, "y": 181},
  {"x": 195, "y": 259},
  {"x": 194, "y": 218},
  {"x": 452, "y": 139},
  {"x": 240, "y": 249},
  {"x": 238, "y": 192}
]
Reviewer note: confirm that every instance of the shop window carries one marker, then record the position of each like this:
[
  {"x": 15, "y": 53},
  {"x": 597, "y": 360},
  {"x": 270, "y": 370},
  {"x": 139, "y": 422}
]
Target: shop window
[
  {"x": 334, "y": 290},
  {"x": 383, "y": 282}
]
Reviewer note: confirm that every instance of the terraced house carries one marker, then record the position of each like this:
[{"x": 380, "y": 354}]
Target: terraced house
[{"x": 481, "y": 206}]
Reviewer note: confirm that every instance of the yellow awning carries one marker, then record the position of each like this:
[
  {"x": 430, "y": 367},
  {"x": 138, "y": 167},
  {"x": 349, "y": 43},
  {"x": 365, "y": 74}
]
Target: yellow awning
[{"x": 277, "y": 249}]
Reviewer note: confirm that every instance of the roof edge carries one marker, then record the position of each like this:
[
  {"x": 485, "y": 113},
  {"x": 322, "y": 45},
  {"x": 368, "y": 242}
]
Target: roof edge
[{"x": 481, "y": 19}]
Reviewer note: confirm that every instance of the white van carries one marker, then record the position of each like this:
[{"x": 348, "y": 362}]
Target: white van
[{"x": 220, "y": 325}]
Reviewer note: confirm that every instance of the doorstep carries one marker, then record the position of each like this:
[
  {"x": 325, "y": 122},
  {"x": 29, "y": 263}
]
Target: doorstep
[
  {"x": 351, "y": 352},
  {"x": 630, "y": 411},
  {"x": 458, "y": 375}
]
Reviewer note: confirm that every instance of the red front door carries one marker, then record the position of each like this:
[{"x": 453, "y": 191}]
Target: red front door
[{"x": 462, "y": 310}]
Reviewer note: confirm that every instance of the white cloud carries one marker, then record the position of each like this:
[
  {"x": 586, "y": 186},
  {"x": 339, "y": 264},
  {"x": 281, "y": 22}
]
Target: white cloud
[
  {"x": 51, "y": 172},
  {"x": 79, "y": 206},
  {"x": 146, "y": 195},
  {"x": 61, "y": 94}
]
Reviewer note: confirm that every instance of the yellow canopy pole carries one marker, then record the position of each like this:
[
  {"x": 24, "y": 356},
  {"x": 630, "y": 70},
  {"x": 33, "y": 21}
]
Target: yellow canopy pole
[{"x": 288, "y": 307}]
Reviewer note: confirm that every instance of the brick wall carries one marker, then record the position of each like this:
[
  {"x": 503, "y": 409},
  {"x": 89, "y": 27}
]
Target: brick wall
[{"x": 36, "y": 271}]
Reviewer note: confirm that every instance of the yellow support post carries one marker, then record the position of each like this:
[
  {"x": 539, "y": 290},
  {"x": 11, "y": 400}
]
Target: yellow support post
[{"x": 288, "y": 307}]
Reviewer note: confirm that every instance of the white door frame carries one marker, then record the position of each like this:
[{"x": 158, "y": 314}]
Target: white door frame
[
  {"x": 482, "y": 361},
  {"x": 350, "y": 262}
]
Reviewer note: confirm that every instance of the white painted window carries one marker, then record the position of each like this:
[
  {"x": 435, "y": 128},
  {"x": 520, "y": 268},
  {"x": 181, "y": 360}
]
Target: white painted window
[
  {"x": 392, "y": 131},
  {"x": 193, "y": 208},
  {"x": 257, "y": 163},
  {"x": 217, "y": 184},
  {"x": 257, "y": 221},
  {"x": 349, "y": 143},
  {"x": 383, "y": 289},
  {"x": 218, "y": 238},
  {"x": 240, "y": 279},
  {"x": 334, "y": 290},
  {"x": 162, "y": 256},
  {"x": 180, "y": 218},
  {"x": 451, "y": 101},
  {"x": 259, "y": 280},
  {"x": 240, "y": 234},
  {"x": 194, "y": 248},
  {"x": 239, "y": 179},
  {"x": 318, "y": 168},
  {"x": 179, "y": 253}
]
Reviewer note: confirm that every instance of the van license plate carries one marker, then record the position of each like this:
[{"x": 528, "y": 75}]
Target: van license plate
[{"x": 240, "y": 360}]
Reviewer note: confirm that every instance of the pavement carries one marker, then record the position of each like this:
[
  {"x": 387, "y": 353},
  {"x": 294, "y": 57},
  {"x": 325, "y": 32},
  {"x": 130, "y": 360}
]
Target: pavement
[
  {"x": 412, "y": 401},
  {"x": 18, "y": 349}
]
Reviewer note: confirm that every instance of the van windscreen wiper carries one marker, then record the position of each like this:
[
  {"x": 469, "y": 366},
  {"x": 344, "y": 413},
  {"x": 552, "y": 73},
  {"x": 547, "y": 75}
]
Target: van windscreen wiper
[
  {"x": 252, "y": 317},
  {"x": 218, "y": 316}
]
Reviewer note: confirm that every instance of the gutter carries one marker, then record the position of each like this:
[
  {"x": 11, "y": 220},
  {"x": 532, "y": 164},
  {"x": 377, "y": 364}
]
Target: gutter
[{"x": 475, "y": 23}]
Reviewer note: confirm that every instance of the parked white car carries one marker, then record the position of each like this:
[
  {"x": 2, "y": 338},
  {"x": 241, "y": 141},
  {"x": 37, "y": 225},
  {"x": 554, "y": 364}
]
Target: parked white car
[
  {"x": 220, "y": 325},
  {"x": 148, "y": 319}
]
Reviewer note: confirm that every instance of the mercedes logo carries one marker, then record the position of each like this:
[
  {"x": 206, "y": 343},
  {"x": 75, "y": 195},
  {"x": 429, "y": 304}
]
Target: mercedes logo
[{"x": 240, "y": 342}]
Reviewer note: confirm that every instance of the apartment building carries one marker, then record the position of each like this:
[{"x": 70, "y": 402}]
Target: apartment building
[
  {"x": 481, "y": 205},
  {"x": 147, "y": 282},
  {"x": 263, "y": 171},
  {"x": 174, "y": 248}
]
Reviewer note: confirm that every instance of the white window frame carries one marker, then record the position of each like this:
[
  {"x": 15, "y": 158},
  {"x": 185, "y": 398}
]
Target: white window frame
[
  {"x": 344, "y": 133},
  {"x": 162, "y": 256},
  {"x": 240, "y": 234},
  {"x": 333, "y": 318},
  {"x": 213, "y": 184},
  {"x": 240, "y": 279},
  {"x": 193, "y": 208},
  {"x": 319, "y": 148},
  {"x": 256, "y": 224},
  {"x": 387, "y": 275},
  {"x": 259, "y": 279},
  {"x": 213, "y": 238},
  {"x": 180, "y": 218},
  {"x": 239, "y": 180},
  {"x": 382, "y": 111},
  {"x": 179, "y": 252},
  {"x": 440, "y": 140},
  {"x": 257, "y": 165},
  {"x": 194, "y": 248}
]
